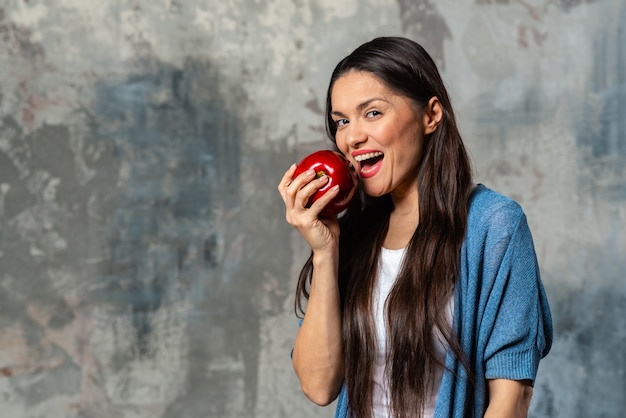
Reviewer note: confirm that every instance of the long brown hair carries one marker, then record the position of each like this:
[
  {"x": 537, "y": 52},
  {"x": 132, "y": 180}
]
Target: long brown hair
[{"x": 429, "y": 272}]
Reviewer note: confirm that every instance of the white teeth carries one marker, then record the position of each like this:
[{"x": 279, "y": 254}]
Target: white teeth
[{"x": 367, "y": 156}]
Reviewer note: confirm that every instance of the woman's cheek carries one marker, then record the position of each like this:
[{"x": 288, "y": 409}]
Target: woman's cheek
[{"x": 341, "y": 144}]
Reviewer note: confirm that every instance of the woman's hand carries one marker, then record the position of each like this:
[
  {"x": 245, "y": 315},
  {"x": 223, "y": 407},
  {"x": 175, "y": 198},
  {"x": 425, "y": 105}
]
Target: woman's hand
[{"x": 321, "y": 233}]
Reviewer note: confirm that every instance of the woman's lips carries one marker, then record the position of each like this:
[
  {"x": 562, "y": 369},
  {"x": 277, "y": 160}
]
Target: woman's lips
[
  {"x": 366, "y": 170},
  {"x": 369, "y": 162}
]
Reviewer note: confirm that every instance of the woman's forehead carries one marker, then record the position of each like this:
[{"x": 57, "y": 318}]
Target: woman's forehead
[{"x": 357, "y": 84}]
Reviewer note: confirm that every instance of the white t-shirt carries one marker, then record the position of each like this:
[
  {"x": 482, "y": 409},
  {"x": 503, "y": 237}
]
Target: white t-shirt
[{"x": 388, "y": 269}]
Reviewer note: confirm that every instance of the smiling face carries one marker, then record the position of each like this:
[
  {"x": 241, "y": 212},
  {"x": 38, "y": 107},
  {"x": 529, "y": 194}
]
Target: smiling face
[{"x": 379, "y": 131}]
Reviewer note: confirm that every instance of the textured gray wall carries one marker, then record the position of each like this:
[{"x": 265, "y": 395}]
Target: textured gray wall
[{"x": 145, "y": 266}]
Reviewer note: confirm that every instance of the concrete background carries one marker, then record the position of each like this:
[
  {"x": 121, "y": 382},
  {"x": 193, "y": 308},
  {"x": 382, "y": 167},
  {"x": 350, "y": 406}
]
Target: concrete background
[{"x": 145, "y": 266}]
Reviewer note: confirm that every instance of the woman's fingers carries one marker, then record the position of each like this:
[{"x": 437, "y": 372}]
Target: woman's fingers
[
  {"x": 296, "y": 193},
  {"x": 286, "y": 180},
  {"x": 309, "y": 189},
  {"x": 292, "y": 186},
  {"x": 321, "y": 202}
]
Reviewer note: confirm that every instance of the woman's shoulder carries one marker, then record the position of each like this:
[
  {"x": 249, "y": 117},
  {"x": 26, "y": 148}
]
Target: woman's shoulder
[{"x": 489, "y": 209}]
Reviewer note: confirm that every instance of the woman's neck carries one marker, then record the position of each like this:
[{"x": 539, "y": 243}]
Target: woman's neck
[{"x": 403, "y": 220}]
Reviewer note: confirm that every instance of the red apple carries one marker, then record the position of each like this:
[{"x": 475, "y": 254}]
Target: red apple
[{"x": 339, "y": 171}]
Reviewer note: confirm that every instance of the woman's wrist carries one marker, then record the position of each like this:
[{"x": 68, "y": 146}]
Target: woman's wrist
[{"x": 322, "y": 257}]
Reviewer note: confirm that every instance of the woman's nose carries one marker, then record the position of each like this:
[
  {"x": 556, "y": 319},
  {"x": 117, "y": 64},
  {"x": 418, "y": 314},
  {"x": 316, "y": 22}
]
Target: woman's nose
[{"x": 355, "y": 135}]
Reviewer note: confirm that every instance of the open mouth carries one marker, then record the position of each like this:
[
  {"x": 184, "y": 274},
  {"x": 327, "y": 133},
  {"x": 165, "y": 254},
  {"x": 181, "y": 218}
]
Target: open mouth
[{"x": 369, "y": 163}]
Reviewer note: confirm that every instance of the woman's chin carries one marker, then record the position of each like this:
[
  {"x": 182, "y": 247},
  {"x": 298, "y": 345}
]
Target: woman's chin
[{"x": 374, "y": 192}]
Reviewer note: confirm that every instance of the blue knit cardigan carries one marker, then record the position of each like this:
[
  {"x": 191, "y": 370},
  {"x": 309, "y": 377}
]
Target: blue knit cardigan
[{"x": 501, "y": 315}]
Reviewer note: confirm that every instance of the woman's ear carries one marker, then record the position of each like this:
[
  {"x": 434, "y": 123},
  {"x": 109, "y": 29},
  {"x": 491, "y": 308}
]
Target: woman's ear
[{"x": 433, "y": 114}]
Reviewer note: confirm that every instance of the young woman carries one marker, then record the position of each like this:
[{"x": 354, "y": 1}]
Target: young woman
[{"x": 424, "y": 299}]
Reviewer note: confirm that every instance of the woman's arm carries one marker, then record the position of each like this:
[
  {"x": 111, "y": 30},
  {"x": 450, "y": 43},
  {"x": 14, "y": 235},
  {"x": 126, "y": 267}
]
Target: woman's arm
[
  {"x": 318, "y": 350},
  {"x": 508, "y": 398}
]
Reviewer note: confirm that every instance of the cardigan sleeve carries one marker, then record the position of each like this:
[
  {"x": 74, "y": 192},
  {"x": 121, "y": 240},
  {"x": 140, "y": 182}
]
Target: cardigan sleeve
[
  {"x": 501, "y": 316},
  {"x": 517, "y": 325}
]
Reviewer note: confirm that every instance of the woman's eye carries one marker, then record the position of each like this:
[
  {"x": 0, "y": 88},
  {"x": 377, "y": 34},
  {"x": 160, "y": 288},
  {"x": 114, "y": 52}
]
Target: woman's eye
[
  {"x": 341, "y": 122},
  {"x": 372, "y": 113}
]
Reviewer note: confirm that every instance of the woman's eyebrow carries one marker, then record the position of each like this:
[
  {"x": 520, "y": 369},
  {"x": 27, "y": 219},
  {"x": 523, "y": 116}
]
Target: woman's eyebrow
[
  {"x": 360, "y": 107},
  {"x": 368, "y": 102}
]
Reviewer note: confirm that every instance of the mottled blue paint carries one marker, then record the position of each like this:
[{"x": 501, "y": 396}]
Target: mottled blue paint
[
  {"x": 602, "y": 125},
  {"x": 181, "y": 144}
]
